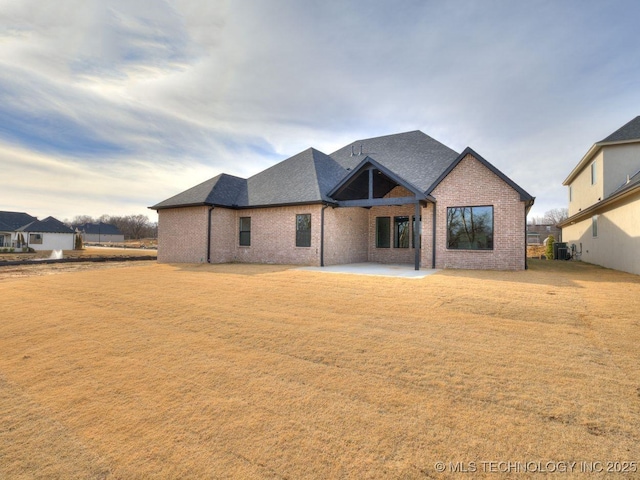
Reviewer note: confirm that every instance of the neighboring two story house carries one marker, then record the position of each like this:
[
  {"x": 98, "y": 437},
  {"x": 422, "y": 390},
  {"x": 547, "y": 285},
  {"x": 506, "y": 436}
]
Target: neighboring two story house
[
  {"x": 604, "y": 202},
  {"x": 403, "y": 198}
]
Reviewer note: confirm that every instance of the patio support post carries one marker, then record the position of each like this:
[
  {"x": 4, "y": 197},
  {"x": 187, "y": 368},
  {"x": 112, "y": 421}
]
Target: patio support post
[{"x": 416, "y": 235}]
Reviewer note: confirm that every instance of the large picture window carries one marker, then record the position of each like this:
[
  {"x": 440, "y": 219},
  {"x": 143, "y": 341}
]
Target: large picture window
[
  {"x": 401, "y": 232},
  {"x": 245, "y": 231},
  {"x": 383, "y": 232},
  {"x": 470, "y": 228},
  {"x": 303, "y": 230}
]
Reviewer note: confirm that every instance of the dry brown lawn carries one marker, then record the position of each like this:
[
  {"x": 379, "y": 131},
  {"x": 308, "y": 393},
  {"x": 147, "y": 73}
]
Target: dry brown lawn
[{"x": 244, "y": 371}]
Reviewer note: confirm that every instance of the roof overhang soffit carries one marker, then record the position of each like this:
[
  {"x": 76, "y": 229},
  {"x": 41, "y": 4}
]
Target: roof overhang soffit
[{"x": 361, "y": 183}]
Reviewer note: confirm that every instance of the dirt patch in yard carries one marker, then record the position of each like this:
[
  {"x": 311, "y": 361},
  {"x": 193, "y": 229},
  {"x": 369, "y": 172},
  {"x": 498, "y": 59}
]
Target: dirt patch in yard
[{"x": 255, "y": 371}]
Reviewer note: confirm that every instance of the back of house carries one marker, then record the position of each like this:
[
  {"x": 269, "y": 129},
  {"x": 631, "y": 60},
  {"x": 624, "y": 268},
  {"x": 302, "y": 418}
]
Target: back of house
[{"x": 403, "y": 198}]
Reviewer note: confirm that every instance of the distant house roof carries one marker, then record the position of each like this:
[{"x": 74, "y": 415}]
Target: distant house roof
[
  {"x": 12, "y": 221},
  {"x": 311, "y": 176},
  {"x": 628, "y": 133},
  {"x": 99, "y": 228},
  {"x": 48, "y": 225}
]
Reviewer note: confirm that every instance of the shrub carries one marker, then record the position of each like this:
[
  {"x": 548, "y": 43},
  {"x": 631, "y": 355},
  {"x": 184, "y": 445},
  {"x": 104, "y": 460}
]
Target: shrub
[{"x": 550, "y": 241}]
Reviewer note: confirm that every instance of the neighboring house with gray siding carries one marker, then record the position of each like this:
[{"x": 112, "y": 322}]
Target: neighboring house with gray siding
[
  {"x": 100, "y": 233},
  {"x": 604, "y": 201},
  {"x": 403, "y": 198}
]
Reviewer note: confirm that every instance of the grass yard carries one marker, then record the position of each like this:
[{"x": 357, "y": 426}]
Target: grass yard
[{"x": 245, "y": 371}]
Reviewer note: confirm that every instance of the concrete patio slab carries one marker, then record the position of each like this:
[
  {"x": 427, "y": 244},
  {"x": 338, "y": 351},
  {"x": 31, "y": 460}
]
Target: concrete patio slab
[{"x": 379, "y": 269}]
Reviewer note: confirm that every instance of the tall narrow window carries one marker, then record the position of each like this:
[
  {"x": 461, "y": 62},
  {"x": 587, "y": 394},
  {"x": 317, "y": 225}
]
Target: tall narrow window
[
  {"x": 413, "y": 236},
  {"x": 594, "y": 225},
  {"x": 401, "y": 232},
  {"x": 470, "y": 228},
  {"x": 303, "y": 230},
  {"x": 593, "y": 173},
  {"x": 245, "y": 231},
  {"x": 570, "y": 194},
  {"x": 383, "y": 232}
]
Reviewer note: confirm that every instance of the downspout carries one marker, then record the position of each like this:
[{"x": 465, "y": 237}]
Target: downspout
[
  {"x": 417, "y": 227},
  {"x": 433, "y": 242},
  {"x": 526, "y": 263},
  {"x": 209, "y": 234},
  {"x": 324, "y": 207}
]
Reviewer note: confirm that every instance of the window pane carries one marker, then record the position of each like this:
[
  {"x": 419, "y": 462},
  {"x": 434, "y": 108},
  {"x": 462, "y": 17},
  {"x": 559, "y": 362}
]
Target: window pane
[
  {"x": 245, "y": 231},
  {"x": 303, "y": 230},
  {"x": 594, "y": 225},
  {"x": 383, "y": 232},
  {"x": 470, "y": 228},
  {"x": 413, "y": 229},
  {"x": 401, "y": 232}
]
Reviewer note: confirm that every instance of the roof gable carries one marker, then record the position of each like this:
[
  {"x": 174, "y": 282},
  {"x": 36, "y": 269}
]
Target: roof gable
[
  {"x": 356, "y": 183},
  {"x": 524, "y": 196},
  {"x": 628, "y": 133}
]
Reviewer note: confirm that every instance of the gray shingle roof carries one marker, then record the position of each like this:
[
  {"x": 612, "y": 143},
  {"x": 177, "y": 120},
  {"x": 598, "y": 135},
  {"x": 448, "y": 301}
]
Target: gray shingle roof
[
  {"x": 310, "y": 176},
  {"x": 48, "y": 225},
  {"x": 304, "y": 178},
  {"x": 221, "y": 190},
  {"x": 99, "y": 228},
  {"x": 414, "y": 156},
  {"x": 629, "y": 131},
  {"x": 12, "y": 221}
]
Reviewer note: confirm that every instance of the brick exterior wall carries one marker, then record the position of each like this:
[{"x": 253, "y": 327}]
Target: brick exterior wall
[
  {"x": 472, "y": 184},
  {"x": 182, "y": 235},
  {"x": 273, "y": 236},
  {"x": 350, "y": 233},
  {"x": 346, "y": 235},
  {"x": 224, "y": 238}
]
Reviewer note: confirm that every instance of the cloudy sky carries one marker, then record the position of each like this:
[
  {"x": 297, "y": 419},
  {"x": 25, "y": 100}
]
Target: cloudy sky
[{"x": 112, "y": 106}]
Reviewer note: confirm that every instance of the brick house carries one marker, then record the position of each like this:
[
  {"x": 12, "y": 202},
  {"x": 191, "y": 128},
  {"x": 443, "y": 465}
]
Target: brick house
[{"x": 403, "y": 198}]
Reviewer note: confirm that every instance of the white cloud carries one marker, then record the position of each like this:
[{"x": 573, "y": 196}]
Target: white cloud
[{"x": 116, "y": 93}]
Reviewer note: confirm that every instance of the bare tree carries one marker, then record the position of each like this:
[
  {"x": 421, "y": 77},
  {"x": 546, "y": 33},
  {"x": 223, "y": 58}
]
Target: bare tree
[
  {"x": 81, "y": 220},
  {"x": 556, "y": 215}
]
